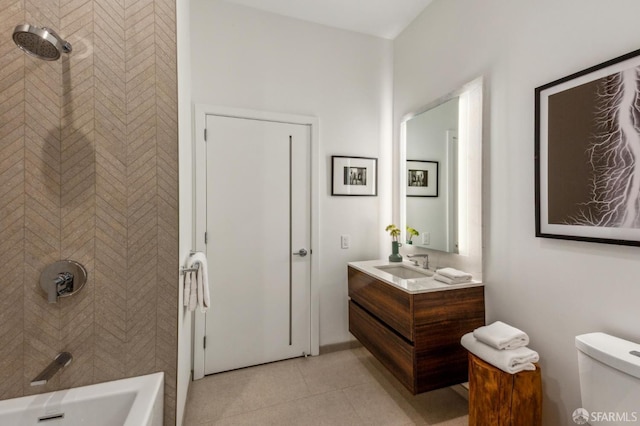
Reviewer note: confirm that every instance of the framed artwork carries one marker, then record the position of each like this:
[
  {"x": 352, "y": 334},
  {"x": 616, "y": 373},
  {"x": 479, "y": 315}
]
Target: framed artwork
[
  {"x": 422, "y": 178},
  {"x": 587, "y": 154},
  {"x": 354, "y": 176}
]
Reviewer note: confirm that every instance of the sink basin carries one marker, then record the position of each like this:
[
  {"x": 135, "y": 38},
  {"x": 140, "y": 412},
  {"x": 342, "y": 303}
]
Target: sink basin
[{"x": 402, "y": 271}]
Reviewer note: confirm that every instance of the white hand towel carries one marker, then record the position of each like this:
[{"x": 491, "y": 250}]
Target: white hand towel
[
  {"x": 501, "y": 336},
  {"x": 512, "y": 361},
  {"x": 202, "y": 279},
  {"x": 448, "y": 280},
  {"x": 454, "y": 274},
  {"x": 186, "y": 294},
  {"x": 193, "y": 294}
]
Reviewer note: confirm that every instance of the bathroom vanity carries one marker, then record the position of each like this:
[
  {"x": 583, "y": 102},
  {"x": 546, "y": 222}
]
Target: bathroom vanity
[{"x": 412, "y": 323}]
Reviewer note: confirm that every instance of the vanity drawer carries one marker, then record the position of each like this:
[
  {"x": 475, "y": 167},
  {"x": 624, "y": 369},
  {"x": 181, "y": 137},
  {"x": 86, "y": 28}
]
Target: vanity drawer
[
  {"x": 440, "y": 358},
  {"x": 450, "y": 305},
  {"x": 391, "y": 350},
  {"x": 390, "y": 305}
]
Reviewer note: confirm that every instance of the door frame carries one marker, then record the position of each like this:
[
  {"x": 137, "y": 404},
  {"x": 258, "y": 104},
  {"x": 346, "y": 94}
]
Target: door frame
[{"x": 200, "y": 210}]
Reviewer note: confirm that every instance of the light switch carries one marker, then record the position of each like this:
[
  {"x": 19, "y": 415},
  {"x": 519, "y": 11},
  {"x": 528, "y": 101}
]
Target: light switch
[
  {"x": 345, "y": 241},
  {"x": 426, "y": 238}
]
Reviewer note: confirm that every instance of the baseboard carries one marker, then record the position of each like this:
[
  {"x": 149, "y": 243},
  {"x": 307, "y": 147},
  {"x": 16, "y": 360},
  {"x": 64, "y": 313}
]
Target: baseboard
[{"x": 335, "y": 347}]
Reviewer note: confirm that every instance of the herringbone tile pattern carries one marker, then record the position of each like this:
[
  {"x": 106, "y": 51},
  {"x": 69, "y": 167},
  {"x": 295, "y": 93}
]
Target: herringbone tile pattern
[
  {"x": 111, "y": 189},
  {"x": 166, "y": 122},
  {"x": 89, "y": 171},
  {"x": 12, "y": 206}
]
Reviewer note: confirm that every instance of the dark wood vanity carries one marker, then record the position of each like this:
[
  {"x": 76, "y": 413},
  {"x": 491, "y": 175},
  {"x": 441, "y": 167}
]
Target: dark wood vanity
[{"x": 416, "y": 335}]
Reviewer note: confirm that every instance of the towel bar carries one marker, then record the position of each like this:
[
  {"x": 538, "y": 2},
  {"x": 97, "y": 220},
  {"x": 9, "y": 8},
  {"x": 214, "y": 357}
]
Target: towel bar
[{"x": 183, "y": 270}]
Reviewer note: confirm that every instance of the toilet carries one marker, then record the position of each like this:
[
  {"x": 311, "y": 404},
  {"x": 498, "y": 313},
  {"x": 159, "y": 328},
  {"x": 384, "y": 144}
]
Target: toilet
[{"x": 609, "y": 380}]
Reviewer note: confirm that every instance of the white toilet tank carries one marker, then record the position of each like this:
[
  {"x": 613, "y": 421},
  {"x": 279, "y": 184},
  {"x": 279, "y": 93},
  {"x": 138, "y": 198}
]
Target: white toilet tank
[{"x": 609, "y": 379}]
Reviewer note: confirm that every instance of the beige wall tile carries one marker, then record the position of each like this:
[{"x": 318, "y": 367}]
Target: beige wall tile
[{"x": 83, "y": 142}]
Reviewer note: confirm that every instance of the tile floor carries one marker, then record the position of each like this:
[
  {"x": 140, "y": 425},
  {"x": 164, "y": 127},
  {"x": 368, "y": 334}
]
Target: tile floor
[{"x": 348, "y": 387}]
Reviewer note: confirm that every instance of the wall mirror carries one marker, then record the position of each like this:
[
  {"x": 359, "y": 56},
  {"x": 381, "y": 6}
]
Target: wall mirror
[{"x": 440, "y": 171}]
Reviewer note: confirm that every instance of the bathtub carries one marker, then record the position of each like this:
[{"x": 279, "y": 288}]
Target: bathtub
[{"x": 137, "y": 401}]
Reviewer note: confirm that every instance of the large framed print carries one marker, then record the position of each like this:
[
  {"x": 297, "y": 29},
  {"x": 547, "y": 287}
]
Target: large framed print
[
  {"x": 354, "y": 176},
  {"x": 422, "y": 178},
  {"x": 587, "y": 154}
]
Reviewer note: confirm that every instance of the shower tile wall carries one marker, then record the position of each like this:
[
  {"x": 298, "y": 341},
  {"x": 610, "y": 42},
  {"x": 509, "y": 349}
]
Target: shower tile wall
[{"x": 88, "y": 171}]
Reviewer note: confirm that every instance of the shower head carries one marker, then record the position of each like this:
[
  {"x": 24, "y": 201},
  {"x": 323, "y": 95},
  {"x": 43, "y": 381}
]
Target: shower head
[{"x": 42, "y": 43}]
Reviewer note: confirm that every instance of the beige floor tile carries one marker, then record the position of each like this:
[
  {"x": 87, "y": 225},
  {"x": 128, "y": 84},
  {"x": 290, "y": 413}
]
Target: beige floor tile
[
  {"x": 231, "y": 393},
  {"x": 288, "y": 414},
  {"x": 273, "y": 384},
  {"x": 340, "y": 388},
  {"x": 377, "y": 405},
  {"x": 438, "y": 407},
  {"x": 214, "y": 398},
  {"x": 330, "y": 409},
  {"x": 333, "y": 371}
]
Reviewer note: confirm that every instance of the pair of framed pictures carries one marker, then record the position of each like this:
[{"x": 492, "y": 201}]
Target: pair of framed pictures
[{"x": 359, "y": 176}]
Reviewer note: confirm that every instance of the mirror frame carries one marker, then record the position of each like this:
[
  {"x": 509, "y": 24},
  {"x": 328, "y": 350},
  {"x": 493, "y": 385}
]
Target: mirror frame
[{"x": 470, "y": 111}]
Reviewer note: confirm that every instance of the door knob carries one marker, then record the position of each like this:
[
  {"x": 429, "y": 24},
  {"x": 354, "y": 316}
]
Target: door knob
[{"x": 302, "y": 253}]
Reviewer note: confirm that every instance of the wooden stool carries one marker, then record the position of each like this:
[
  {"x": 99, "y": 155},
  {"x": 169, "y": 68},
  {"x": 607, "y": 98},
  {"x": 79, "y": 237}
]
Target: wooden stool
[{"x": 497, "y": 398}]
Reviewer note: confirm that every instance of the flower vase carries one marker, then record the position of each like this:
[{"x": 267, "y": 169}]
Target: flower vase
[{"x": 395, "y": 256}]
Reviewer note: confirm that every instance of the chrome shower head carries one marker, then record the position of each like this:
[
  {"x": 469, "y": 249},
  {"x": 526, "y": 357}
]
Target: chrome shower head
[{"x": 42, "y": 43}]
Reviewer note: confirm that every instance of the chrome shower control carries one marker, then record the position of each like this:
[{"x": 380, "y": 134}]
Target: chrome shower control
[{"x": 62, "y": 279}]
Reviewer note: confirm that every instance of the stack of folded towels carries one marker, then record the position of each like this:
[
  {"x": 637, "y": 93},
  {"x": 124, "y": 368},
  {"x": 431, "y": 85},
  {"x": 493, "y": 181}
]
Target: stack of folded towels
[
  {"x": 503, "y": 346},
  {"x": 452, "y": 276}
]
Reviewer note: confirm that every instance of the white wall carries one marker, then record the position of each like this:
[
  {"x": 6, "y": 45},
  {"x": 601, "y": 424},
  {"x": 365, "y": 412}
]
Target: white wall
[
  {"x": 185, "y": 161},
  {"x": 552, "y": 289},
  {"x": 246, "y": 58}
]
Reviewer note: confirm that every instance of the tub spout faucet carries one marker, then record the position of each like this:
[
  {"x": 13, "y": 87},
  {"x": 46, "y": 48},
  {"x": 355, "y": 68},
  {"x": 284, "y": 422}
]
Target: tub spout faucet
[
  {"x": 425, "y": 260},
  {"x": 61, "y": 360}
]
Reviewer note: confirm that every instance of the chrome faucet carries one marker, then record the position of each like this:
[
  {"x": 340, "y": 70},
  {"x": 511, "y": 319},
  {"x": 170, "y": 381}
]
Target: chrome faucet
[
  {"x": 61, "y": 360},
  {"x": 425, "y": 260}
]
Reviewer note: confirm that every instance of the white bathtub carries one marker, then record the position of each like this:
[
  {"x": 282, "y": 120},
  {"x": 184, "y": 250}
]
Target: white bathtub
[{"x": 137, "y": 401}]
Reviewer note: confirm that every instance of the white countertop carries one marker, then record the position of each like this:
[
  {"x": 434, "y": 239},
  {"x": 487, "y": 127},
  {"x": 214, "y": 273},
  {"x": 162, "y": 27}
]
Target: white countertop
[{"x": 411, "y": 285}]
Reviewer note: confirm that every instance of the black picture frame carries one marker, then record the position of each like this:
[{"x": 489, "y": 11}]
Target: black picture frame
[
  {"x": 354, "y": 176},
  {"x": 584, "y": 164},
  {"x": 423, "y": 178}
]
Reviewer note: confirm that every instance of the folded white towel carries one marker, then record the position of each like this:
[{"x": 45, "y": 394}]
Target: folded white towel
[
  {"x": 454, "y": 274},
  {"x": 448, "y": 280},
  {"x": 501, "y": 336},
  {"x": 199, "y": 260},
  {"x": 186, "y": 293},
  {"x": 512, "y": 361}
]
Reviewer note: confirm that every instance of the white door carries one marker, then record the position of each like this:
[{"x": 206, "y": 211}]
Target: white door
[{"x": 258, "y": 229}]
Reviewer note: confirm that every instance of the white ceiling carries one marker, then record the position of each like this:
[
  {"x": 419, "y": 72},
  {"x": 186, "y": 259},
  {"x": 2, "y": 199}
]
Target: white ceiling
[{"x": 381, "y": 18}]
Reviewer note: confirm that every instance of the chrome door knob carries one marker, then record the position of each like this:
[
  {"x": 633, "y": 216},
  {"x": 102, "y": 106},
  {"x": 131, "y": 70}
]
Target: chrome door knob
[{"x": 302, "y": 253}]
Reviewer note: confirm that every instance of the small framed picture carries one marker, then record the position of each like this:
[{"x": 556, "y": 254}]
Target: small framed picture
[
  {"x": 354, "y": 176},
  {"x": 422, "y": 178}
]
